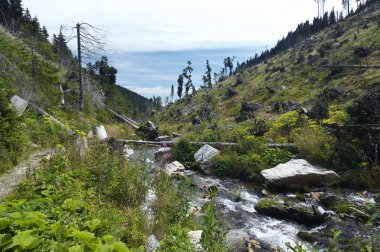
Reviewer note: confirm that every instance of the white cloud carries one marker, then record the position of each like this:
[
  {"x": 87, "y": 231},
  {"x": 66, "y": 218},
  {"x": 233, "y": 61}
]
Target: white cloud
[
  {"x": 151, "y": 25},
  {"x": 157, "y": 90}
]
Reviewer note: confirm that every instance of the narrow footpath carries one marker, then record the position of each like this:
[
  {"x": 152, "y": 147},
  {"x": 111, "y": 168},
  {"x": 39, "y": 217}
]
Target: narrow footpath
[{"x": 11, "y": 178}]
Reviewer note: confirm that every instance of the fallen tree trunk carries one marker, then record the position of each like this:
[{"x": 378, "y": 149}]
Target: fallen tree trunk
[
  {"x": 124, "y": 119},
  {"x": 42, "y": 112},
  {"x": 351, "y": 66},
  {"x": 213, "y": 144},
  {"x": 362, "y": 127}
]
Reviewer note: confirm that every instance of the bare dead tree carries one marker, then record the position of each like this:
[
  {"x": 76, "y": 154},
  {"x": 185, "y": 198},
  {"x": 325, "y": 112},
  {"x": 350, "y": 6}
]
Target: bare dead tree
[{"x": 90, "y": 47}]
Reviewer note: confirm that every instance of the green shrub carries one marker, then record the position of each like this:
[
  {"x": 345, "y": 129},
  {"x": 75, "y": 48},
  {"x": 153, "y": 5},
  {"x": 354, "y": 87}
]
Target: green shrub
[
  {"x": 56, "y": 210},
  {"x": 171, "y": 205},
  {"x": 12, "y": 137},
  {"x": 251, "y": 156},
  {"x": 177, "y": 239},
  {"x": 42, "y": 131},
  {"x": 283, "y": 125},
  {"x": 183, "y": 151},
  {"x": 315, "y": 144},
  {"x": 213, "y": 234}
]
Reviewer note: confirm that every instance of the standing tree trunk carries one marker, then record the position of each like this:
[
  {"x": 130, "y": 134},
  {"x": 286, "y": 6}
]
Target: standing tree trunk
[{"x": 81, "y": 100}]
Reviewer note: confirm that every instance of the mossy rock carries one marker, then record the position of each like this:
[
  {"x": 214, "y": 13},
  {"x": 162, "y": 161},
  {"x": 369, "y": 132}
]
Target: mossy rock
[{"x": 295, "y": 212}]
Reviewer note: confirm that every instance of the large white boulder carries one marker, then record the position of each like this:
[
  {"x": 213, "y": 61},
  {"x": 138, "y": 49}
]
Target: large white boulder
[
  {"x": 101, "y": 132},
  {"x": 174, "y": 168},
  {"x": 205, "y": 154},
  {"x": 19, "y": 104},
  {"x": 300, "y": 174}
]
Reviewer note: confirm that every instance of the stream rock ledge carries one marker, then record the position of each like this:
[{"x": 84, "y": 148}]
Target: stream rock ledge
[{"x": 300, "y": 174}]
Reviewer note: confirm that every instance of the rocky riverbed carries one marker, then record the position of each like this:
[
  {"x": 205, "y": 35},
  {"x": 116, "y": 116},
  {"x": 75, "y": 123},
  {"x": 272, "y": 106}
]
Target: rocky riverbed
[{"x": 256, "y": 218}]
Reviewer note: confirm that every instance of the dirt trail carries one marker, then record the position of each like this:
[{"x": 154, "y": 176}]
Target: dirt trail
[{"x": 11, "y": 178}]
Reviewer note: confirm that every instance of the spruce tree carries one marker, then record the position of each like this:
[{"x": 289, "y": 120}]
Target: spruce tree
[
  {"x": 180, "y": 86},
  {"x": 187, "y": 74},
  {"x": 172, "y": 94},
  {"x": 332, "y": 18},
  {"x": 207, "y": 80}
]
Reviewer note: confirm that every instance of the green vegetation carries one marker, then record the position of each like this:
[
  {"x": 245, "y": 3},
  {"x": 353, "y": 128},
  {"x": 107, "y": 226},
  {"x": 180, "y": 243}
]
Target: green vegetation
[
  {"x": 183, "y": 151},
  {"x": 315, "y": 144},
  {"x": 12, "y": 143},
  {"x": 213, "y": 234},
  {"x": 250, "y": 157},
  {"x": 177, "y": 239},
  {"x": 266, "y": 202},
  {"x": 63, "y": 208},
  {"x": 91, "y": 203}
]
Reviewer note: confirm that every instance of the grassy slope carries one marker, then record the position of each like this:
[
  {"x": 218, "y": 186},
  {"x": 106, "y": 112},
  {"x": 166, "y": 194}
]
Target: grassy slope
[{"x": 302, "y": 81}]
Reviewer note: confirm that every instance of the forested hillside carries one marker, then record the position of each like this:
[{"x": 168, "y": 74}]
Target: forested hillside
[
  {"x": 42, "y": 69},
  {"x": 46, "y": 70}
]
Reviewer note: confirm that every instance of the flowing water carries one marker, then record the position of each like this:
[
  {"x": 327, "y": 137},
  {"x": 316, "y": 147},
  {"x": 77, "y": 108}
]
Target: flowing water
[{"x": 236, "y": 201}]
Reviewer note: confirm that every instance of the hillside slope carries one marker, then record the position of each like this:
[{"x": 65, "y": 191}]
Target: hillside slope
[
  {"x": 333, "y": 77},
  {"x": 36, "y": 75}
]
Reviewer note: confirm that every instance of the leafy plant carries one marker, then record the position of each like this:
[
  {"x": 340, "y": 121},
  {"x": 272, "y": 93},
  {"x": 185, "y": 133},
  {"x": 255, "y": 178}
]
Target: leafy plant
[
  {"x": 213, "y": 234},
  {"x": 177, "y": 239}
]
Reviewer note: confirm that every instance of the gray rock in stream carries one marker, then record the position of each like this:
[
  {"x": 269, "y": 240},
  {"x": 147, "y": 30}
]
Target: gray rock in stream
[
  {"x": 152, "y": 244},
  {"x": 300, "y": 174},
  {"x": 195, "y": 239},
  {"x": 174, "y": 169},
  {"x": 298, "y": 212},
  {"x": 236, "y": 240}
]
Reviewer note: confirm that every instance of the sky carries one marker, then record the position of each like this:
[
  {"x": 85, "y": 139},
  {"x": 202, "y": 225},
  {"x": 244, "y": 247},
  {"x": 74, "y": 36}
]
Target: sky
[{"x": 138, "y": 32}]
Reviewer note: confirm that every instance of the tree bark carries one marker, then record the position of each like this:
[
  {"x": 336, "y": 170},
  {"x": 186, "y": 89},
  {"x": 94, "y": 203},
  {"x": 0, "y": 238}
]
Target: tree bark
[
  {"x": 350, "y": 66},
  {"x": 124, "y": 119},
  {"x": 213, "y": 144},
  {"x": 81, "y": 95}
]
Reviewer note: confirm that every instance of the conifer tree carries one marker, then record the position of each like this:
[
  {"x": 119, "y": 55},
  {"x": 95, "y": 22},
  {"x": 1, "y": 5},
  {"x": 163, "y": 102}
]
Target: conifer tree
[
  {"x": 172, "y": 94},
  {"x": 207, "y": 80},
  {"x": 332, "y": 18},
  {"x": 180, "y": 86},
  {"x": 346, "y": 4},
  {"x": 187, "y": 74}
]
